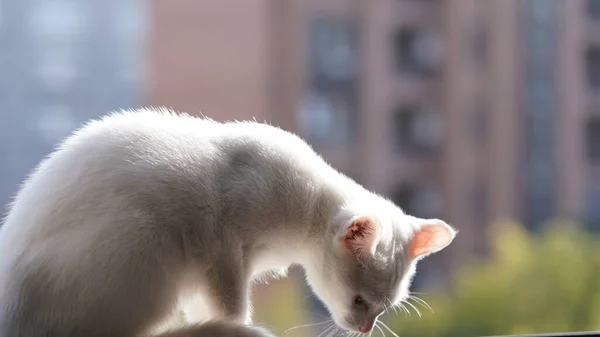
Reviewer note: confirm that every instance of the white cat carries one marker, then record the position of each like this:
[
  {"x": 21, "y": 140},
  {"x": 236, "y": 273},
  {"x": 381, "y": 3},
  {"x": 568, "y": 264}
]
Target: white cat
[{"x": 142, "y": 210}]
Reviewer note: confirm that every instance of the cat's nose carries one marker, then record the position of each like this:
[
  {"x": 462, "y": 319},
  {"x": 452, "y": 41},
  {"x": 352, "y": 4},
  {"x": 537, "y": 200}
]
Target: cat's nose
[{"x": 367, "y": 325}]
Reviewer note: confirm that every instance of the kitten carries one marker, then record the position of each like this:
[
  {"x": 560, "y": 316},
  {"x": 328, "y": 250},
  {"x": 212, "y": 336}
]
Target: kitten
[{"x": 143, "y": 211}]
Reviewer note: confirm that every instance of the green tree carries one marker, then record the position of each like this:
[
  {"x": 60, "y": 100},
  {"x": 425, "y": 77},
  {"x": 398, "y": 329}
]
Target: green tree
[{"x": 529, "y": 284}]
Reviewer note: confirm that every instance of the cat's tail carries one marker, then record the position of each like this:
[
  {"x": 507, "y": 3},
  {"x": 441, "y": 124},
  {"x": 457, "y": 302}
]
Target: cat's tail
[{"x": 217, "y": 329}]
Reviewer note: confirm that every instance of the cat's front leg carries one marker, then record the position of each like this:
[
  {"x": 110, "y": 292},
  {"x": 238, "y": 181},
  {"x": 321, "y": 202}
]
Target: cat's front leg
[{"x": 230, "y": 297}]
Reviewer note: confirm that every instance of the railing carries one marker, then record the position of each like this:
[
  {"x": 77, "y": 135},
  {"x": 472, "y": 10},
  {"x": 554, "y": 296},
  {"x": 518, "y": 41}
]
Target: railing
[{"x": 566, "y": 334}]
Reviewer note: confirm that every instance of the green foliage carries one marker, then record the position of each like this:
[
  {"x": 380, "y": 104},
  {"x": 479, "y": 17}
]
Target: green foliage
[
  {"x": 530, "y": 284},
  {"x": 279, "y": 306}
]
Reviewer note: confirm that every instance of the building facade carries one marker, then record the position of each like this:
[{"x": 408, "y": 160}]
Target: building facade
[{"x": 470, "y": 110}]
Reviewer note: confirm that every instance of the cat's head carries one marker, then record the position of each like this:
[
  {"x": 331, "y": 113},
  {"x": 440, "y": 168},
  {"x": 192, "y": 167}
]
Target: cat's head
[{"x": 369, "y": 260}]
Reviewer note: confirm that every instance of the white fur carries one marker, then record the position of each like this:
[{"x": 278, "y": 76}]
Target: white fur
[{"x": 143, "y": 210}]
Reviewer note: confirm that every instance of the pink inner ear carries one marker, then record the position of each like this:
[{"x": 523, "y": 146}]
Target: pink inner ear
[
  {"x": 361, "y": 236},
  {"x": 430, "y": 238}
]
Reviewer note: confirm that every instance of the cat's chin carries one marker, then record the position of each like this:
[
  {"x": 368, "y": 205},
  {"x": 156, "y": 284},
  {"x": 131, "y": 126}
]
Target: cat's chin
[{"x": 345, "y": 324}]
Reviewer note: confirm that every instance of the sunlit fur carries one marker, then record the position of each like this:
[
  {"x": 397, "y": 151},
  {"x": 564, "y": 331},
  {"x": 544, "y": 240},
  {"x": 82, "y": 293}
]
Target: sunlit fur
[{"x": 141, "y": 212}]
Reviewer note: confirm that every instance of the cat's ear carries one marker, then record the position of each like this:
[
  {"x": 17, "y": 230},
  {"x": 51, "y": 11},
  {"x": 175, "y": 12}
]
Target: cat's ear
[
  {"x": 432, "y": 236},
  {"x": 361, "y": 236}
]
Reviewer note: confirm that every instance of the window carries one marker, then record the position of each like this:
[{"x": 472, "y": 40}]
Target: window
[
  {"x": 593, "y": 9},
  {"x": 541, "y": 31},
  {"x": 326, "y": 116},
  {"x": 416, "y": 131},
  {"x": 403, "y": 196},
  {"x": 478, "y": 196},
  {"x": 328, "y": 112},
  {"x": 593, "y": 139},
  {"x": 479, "y": 202},
  {"x": 422, "y": 201},
  {"x": 478, "y": 43},
  {"x": 593, "y": 67},
  {"x": 417, "y": 51},
  {"x": 477, "y": 125},
  {"x": 428, "y": 202},
  {"x": 316, "y": 117},
  {"x": 593, "y": 208},
  {"x": 334, "y": 50}
]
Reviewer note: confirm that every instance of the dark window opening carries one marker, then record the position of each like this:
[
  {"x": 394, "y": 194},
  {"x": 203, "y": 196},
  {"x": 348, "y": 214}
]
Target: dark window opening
[
  {"x": 593, "y": 209},
  {"x": 416, "y": 131},
  {"x": 593, "y": 9},
  {"x": 477, "y": 125},
  {"x": 421, "y": 201},
  {"x": 329, "y": 110},
  {"x": 479, "y": 44},
  {"x": 479, "y": 209},
  {"x": 416, "y": 52},
  {"x": 593, "y": 67},
  {"x": 403, "y": 197},
  {"x": 593, "y": 139}
]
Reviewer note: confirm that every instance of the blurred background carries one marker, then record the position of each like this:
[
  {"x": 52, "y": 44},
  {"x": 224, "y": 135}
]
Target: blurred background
[{"x": 485, "y": 113}]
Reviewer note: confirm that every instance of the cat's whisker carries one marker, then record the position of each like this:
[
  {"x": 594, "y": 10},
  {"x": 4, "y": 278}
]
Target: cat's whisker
[
  {"x": 416, "y": 309},
  {"x": 326, "y": 329},
  {"x": 390, "y": 330},
  {"x": 331, "y": 329},
  {"x": 404, "y": 309},
  {"x": 287, "y": 332},
  {"x": 314, "y": 313},
  {"x": 392, "y": 306},
  {"x": 380, "y": 330},
  {"x": 334, "y": 331},
  {"x": 422, "y": 302}
]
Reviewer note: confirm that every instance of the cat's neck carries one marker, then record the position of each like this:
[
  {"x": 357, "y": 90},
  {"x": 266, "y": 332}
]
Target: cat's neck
[
  {"x": 332, "y": 199},
  {"x": 306, "y": 235}
]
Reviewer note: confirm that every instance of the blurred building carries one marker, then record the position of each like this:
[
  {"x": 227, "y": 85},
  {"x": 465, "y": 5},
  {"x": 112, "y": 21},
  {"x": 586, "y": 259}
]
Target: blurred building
[
  {"x": 471, "y": 110},
  {"x": 61, "y": 63}
]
